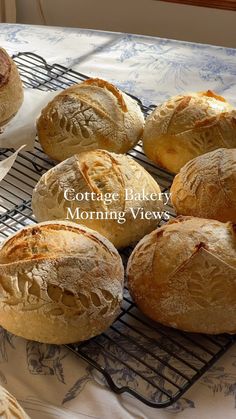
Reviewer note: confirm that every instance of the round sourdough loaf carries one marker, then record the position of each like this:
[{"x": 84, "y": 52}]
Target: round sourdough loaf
[
  {"x": 59, "y": 283},
  {"x": 187, "y": 126},
  {"x": 87, "y": 116},
  {"x": 206, "y": 186},
  {"x": 9, "y": 407},
  {"x": 183, "y": 275},
  {"x": 100, "y": 172},
  {"x": 11, "y": 90}
]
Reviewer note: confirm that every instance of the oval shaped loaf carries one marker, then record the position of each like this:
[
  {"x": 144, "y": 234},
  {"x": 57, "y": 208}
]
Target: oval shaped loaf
[
  {"x": 183, "y": 275},
  {"x": 206, "y": 186},
  {"x": 99, "y": 172},
  {"x": 11, "y": 89},
  {"x": 187, "y": 126},
  {"x": 9, "y": 407},
  {"x": 59, "y": 283},
  {"x": 87, "y": 116}
]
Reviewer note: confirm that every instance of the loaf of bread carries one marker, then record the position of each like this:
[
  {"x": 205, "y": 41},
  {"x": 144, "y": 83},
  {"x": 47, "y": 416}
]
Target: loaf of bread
[
  {"x": 187, "y": 126},
  {"x": 206, "y": 186},
  {"x": 87, "y": 116},
  {"x": 183, "y": 275},
  {"x": 9, "y": 407},
  {"x": 103, "y": 174},
  {"x": 11, "y": 90},
  {"x": 59, "y": 283}
]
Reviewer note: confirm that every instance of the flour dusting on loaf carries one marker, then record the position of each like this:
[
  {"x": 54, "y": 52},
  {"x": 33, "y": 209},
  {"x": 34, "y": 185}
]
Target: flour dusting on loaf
[
  {"x": 100, "y": 172},
  {"x": 186, "y": 126},
  {"x": 206, "y": 186},
  {"x": 183, "y": 275},
  {"x": 87, "y": 116},
  {"x": 59, "y": 283}
]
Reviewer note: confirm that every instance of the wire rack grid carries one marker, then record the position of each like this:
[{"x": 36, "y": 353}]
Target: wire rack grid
[{"x": 155, "y": 364}]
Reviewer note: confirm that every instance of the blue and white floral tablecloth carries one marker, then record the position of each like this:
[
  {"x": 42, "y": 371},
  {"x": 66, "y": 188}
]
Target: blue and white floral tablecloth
[{"x": 49, "y": 381}]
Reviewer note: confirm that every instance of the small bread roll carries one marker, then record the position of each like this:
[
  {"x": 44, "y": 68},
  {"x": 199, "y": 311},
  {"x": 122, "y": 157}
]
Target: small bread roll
[
  {"x": 183, "y": 275},
  {"x": 187, "y": 126},
  {"x": 87, "y": 116},
  {"x": 100, "y": 172},
  {"x": 59, "y": 283},
  {"x": 206, "y": 186},
  {"x": 11, "y": 90},
  {"x": 9, "y": 407}
]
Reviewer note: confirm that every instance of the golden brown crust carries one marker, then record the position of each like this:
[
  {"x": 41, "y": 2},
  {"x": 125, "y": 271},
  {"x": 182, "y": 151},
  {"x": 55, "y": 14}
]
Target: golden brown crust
[
  {"x": 187, "y": 126},
  {"x": 101, "y": 172},
  {"x": 40, "y": 241},
  {"x": 59, "y": 283},
  {"x": 116, "y": 92},
  {"x": 184, "y": 274},
  {"x": 87, "y": 116},
  {"x": 205, "y": 180},
  {"x": 11, "y": 89}
]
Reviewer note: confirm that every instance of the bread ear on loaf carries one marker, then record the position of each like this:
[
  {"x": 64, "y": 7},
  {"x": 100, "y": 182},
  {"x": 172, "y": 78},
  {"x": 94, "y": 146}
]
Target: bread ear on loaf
[
  {"x": 187, "y": 126},
  {"x": 183, "y": 275},
  {"x": 100, "y": 172},
  {"x": 90, "y": 115},
  {"x": 207, "y": 179},
  {"x": 59, "y": 283}
]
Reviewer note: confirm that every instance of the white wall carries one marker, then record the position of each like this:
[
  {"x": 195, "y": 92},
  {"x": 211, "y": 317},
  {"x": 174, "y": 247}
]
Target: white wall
[{"x": 148, "y": 17}]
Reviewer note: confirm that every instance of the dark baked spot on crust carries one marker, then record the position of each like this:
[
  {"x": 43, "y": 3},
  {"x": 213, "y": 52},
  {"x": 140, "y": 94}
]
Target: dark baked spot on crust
[
  {"x": 34, "y": 231},
  {"x": 183, "y": 104},
  {"x": 200, "y": 245},
  {"x": 159, "y": 233},
  {"x": 234, "y": 228},
  {"x": 210, "y": 93}
]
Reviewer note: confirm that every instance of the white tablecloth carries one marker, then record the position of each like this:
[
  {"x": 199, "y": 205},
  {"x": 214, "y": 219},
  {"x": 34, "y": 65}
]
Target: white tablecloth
[{"x": 49, "y": 381}]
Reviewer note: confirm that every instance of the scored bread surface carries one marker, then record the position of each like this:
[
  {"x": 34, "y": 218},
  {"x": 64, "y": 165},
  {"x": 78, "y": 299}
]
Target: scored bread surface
[
  {"x": 187, "y": 126},
  {"x": 98, "y": 171},
  {"x": 184, "y": 275},
  {"x": 87, "y": 116},
  {"x": 59, "y": 283}
]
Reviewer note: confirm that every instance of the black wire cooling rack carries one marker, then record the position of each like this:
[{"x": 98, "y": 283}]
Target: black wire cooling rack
[{"x": 135, "y": 355}]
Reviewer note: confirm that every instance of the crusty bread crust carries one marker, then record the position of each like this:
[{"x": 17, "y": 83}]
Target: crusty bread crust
[
  {"x": 183, "y": 275},
  {"x": 187, "y": 126},
  {"x": 206, "y": 186},
  {"x": 59, "y": 283},
  {"x": 98, "y": 171},
  {"x": 11, "y": 89},
  {"x": 87, "y": 116}
]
